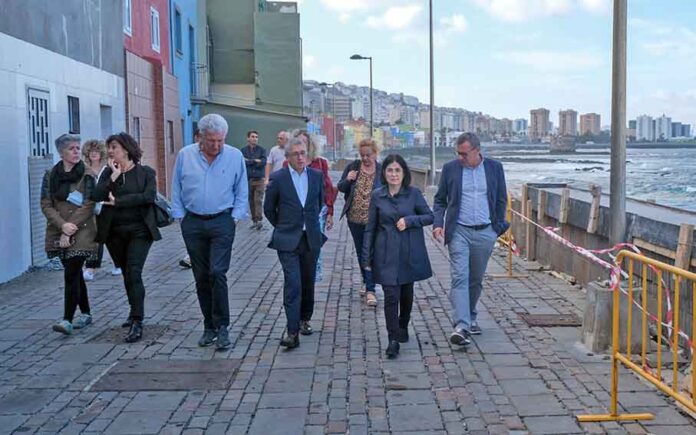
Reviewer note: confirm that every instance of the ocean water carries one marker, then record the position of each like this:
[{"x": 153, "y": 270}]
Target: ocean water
[{"x": 667, "y": 176}]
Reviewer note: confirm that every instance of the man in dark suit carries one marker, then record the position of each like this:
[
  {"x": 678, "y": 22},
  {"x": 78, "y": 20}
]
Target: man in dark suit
[
  {"x": 470, "y": 202},
  {"x": 294, "y": 197}
]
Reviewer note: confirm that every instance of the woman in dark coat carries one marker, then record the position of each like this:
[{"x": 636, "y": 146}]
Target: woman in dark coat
[
  {"x": 70, "y": 229},
  {"x": 394, "y": 247},
  {"x": 359, "y": 179},
  {"x": 127, "y": 222}
]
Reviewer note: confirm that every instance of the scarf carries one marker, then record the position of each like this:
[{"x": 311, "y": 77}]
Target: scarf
[{"x": 61, "y": 180}]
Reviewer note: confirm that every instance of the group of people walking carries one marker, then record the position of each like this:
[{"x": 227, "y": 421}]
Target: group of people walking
[{"x": 215, "y": 185}]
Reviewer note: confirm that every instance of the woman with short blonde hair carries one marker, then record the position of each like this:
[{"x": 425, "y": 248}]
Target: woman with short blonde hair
[{"x": 94, "y": 156}]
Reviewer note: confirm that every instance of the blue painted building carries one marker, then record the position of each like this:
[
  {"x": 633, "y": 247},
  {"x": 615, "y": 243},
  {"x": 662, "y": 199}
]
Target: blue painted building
[{"x": 183, "y": 30}]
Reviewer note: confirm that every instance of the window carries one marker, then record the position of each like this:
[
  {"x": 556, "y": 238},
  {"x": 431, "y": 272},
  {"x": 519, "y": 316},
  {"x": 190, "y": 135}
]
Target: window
[
  {"x": 170, "y": 136},
  {"x": 192, "y": 58},
  {"x": 155, "y": 29},
  {"x": 178, "y": 42},
  {"x": 37, "y": 108},
  {"x": 105, "y": 118},
  {"x": 135, "y": 129},
  {"x": 127, "y": 29},
  {"x": 73, "y": 115}
]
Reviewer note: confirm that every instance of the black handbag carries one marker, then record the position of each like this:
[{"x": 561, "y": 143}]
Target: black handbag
[{"x": 163, "y": 211}]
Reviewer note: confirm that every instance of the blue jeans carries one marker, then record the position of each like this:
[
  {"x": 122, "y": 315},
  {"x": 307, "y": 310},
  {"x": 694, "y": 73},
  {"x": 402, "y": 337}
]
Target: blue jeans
[
  {"x": 322, "y": 226},
  {"x": 469, "y": 252},
  {"x": 358, "y": 233}
]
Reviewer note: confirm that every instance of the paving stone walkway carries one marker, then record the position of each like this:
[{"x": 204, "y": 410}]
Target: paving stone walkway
[{"x": 515, "y": 378}]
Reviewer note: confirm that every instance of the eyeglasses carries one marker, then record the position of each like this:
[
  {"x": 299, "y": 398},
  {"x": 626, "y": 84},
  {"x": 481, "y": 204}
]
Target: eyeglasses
[{"x": 298, "y": 154}]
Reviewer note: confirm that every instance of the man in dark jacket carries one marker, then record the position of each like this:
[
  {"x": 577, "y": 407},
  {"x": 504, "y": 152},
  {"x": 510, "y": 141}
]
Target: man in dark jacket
[
  {"x": 294, "y": 198},
  {"x": 255, "y": 159},
  {"x": 470, "y": 202}
]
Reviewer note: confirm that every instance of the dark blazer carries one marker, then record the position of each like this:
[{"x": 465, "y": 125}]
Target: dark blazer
[
  {"x": 397, "y": 257},
  {"x": 147, "y": 182},
  {"x": 449, "y": 192},
  {"x": 283, "y": 209},
  {"x": 348, "y": 187}
]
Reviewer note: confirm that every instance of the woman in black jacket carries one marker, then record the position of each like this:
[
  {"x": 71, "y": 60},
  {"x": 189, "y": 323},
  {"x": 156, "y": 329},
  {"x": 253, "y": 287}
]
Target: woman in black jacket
[
  {"x": 394, "y": 247},
  {"x": 127, "y": 222}
]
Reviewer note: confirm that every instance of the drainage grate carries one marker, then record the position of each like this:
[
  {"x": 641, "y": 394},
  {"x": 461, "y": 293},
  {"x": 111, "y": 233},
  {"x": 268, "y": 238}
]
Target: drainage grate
[
  {"x": 115, "y": 335},
  {"x": 551, "y": 319},
  {"x": 171, "y": 375}
]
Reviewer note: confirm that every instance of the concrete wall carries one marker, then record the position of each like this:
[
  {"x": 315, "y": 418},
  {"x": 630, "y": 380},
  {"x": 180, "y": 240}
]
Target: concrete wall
[
  {"x": 183, "y": 59},
  {"x": 232, "y": 27},
  {"x": 278, "y": 58},
  {"x": 89, "y": 31},
  {"x": 241, "y": 120},
  {"x": 23, "y": 66}
]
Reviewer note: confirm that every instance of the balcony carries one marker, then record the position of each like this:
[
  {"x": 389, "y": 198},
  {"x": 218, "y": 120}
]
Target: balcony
[{"x": 200, "y": 83}]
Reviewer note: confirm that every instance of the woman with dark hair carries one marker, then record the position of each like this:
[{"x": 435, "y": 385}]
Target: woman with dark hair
[
  {"x": 394, "y": 247},
  {"x": 70, "y": 230},
  {"x": 127, "y": 222}
]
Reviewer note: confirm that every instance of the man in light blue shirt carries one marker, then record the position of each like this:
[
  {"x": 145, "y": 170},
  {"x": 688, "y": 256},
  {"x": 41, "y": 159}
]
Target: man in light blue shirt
[{"x": 210, "y": 192}]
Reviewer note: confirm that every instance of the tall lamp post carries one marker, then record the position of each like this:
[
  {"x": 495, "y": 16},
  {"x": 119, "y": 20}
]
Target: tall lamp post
[
  {"x": 617, "y": 200},
  {"x": 372, "y": 111},
  {"x": 432, "y": 101},
  {"x": 324, "y": 85}
]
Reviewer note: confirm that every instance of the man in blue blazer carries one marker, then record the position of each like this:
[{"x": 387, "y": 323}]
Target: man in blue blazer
[
  {"x": 294, "y": 198},
  {"x": 470, "y": 202}
]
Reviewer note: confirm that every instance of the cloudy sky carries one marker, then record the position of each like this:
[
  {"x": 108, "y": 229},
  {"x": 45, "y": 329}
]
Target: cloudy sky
[{"x": 503, "y": 57}]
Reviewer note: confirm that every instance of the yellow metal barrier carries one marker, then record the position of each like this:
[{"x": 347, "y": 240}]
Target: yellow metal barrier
[
  {"x": 680, "y": 275},
  {"x": 506, "y": 239}
]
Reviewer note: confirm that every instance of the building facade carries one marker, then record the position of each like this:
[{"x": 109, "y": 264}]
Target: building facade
[
  {"x": 645, "y": 130},
  {"x": 251, "y": 66},
  {"x": 568, "y": 123},
  {"x": 62, "y": 71},
  {"x": 539, "y": 125},
  {"x": 663, "y": 128},
  {"x": 590, "y": 123}
]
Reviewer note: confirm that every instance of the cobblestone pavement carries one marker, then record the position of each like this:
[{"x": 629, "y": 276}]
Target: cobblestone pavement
[{"x": 515, "y": 379}]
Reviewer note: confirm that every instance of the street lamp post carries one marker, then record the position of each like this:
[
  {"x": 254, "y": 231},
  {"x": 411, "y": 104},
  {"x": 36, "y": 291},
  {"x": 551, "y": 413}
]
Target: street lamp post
[
  {"x": 617, "y": 200},
  {"x": 372, "y": 111},
  {"x": 432, "y": 101}
]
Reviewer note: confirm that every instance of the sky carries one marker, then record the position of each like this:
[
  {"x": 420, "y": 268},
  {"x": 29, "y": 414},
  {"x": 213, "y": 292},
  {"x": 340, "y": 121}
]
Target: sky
[{"x": 505, "y": 57}]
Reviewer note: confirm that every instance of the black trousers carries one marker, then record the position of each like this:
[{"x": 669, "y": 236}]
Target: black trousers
[
  {"x": 96, "y": 264},
  {"x": 75, "y": 288},
  {"x": 209, "y": 244},
  {"x": 398, "y": 301},
  {"x": 129, "y": 249},
  {"x": 299, "y": 270}
]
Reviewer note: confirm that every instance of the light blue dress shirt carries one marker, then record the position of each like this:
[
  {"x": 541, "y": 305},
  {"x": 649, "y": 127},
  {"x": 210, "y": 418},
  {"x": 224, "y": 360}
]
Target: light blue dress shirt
[
  {"x": 208, "y": 188},
  {"x": 473, "y": 204},
  {"x": 301, "y": 183}
]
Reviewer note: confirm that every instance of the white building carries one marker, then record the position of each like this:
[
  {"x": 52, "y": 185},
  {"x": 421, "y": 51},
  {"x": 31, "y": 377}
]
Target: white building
[
  {"x": 45, "y": 94},
  {"x": 663, "y": 128},
  {"x": 644, "y": 128}
]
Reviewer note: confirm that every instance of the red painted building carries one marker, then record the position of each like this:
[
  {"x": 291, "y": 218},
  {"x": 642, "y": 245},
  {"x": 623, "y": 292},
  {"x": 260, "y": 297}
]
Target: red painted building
[{"x": 152, "y": 92}]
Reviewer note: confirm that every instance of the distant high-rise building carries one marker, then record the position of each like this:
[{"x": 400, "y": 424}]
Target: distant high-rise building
[
  {"x": 686, "y": 130},
  {"x": 632, "y": 124},
  {"x": 590, "y": 124},
  {"x": 340, "y": 106},
  {"x": 676, "y": 129},
  {"x": 357, "y": 108},
  {"x": 539, "y": 124},
  {"x": 645, "y": 128},
  {"x": 520, "y": 125},
  {"x": 663, "y": 127},
  {"x": 568, "y": 122}
]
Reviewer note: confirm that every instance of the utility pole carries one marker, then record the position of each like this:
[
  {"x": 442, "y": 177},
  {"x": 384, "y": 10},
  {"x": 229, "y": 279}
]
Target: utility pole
[
  {"x": 432, "y": 102},
  {"x": 617, "y": 201}
]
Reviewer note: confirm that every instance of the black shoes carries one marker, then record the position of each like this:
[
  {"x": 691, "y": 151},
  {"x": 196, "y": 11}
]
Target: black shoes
[
  {"x": 460, "y": 337},
  {"x": 135, "y": 333},
  {"x": 393, "y": 349},
  {"x": 223, "y": 339},
  {"x": 403, "y": 335},
  {"x": 475, "y": 329},
  {"x": 208, "y": 337},
  {"x": 290, "y": 341},
  {"x": 305, "y": 328},
  {"x": 127, "y": 323}
]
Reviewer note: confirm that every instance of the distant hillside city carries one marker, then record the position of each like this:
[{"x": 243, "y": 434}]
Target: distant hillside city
[{"x": 340, "y": 114}]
